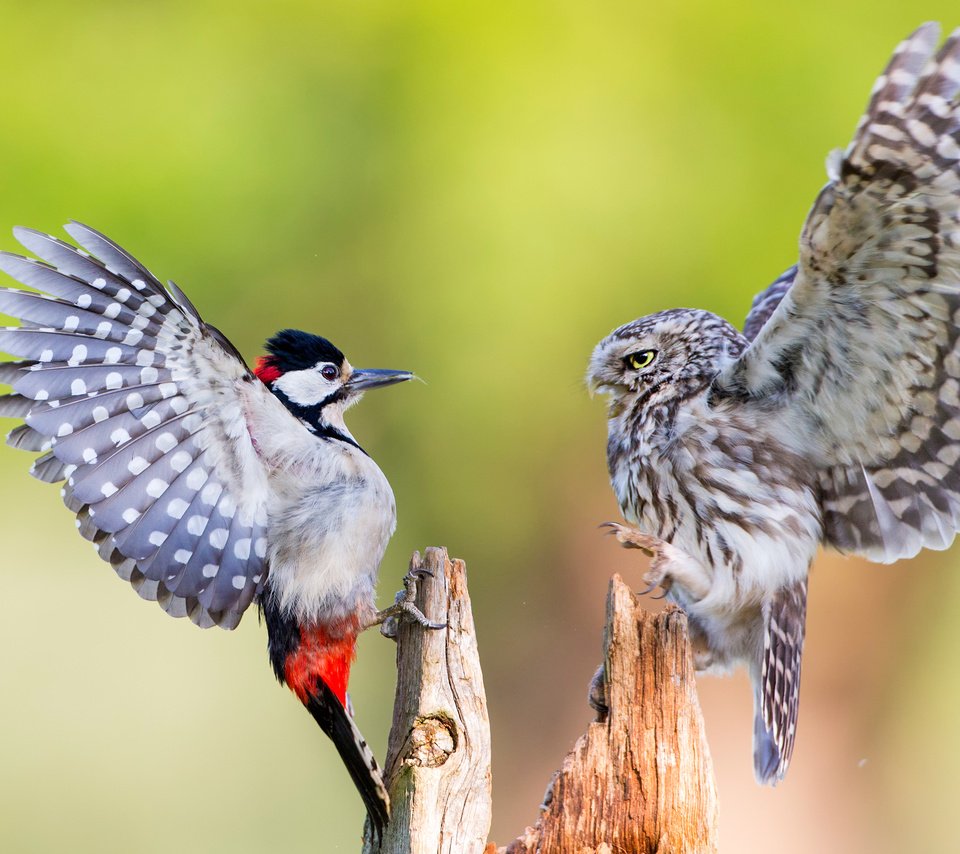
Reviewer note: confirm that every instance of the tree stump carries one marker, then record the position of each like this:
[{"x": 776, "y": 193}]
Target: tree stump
[
  {"x": 438, "y": 755},
  {"x": 639, "y": 781}
]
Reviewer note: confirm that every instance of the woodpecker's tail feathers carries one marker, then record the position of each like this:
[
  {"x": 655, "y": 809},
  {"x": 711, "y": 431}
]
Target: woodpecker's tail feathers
[
  {"x": 333, "y": 719},
  {"x": 139, "y": 406},
  {"x": 777, "y": 683}
]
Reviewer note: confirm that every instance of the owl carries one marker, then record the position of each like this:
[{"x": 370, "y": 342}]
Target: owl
[{"x": 833, "y": 418}]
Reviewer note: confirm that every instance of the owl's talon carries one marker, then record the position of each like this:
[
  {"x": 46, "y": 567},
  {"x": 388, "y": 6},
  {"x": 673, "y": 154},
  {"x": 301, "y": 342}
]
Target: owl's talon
[
  {"x": 658, "y": 575},
  {"x": 597, "y": 694},
  {"x": 631, "y": 539}
]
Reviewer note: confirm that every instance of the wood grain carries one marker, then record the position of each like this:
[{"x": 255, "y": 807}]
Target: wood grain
[
  {"x": 640, "y": 780},
  {"x": 438, "y": 757}
]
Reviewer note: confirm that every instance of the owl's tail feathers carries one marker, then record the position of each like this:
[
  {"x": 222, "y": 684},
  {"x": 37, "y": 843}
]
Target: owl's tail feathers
[
  {"x": 768, "y": 767},
  {"x": 777, "y": 682}
]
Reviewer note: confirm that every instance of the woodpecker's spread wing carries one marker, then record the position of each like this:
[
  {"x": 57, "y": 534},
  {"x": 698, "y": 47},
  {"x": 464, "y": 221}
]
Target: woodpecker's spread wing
[
  {"x": 137, "y": 403},
  {"x": 861, "y": 355}
]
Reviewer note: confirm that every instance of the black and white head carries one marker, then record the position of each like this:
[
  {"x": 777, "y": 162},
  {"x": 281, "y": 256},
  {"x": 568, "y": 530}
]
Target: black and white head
[
  {"x": 662, "y": 357},
  {"x": 314, "y": 380}
]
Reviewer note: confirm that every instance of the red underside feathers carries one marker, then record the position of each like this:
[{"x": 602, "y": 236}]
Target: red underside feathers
[
  {"x": 321, "y": 656},
  {"x": 266, "y": 370}
]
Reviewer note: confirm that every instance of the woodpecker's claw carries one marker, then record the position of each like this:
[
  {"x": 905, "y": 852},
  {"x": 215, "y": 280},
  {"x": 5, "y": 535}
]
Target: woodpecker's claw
[{"x": 403, "y": 607}]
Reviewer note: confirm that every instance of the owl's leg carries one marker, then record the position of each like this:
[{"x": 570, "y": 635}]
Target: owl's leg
[
  {"x": 704, "y": 658},
  {"x": 669, "y": 564},
  {"x": 597, "y": 694}
]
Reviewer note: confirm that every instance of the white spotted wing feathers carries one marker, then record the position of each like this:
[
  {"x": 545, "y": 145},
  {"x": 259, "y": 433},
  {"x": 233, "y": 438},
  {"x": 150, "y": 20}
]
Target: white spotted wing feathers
[{"x": 138, "y": 405}]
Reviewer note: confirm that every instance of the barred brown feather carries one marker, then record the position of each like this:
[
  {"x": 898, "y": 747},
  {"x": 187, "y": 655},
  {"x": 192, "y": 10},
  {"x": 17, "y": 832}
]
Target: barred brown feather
[
  {"x": 871, "y": 322},
  {"x": 778, "y": 697}
]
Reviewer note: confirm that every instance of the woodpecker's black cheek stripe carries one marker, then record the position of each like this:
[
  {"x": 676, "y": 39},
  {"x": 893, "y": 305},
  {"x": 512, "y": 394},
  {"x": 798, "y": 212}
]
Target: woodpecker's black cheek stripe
[
  {"x": 334, "y": 397},
  {"x": 325, "y": 431},
  {"x": 313, "y": 415}
]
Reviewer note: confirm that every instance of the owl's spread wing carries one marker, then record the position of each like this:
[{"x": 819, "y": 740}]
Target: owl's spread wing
[
  {"x": 138, "y": 405},
  {"x": 766, "y": 302},
  {"x": 861, "y": 352}
]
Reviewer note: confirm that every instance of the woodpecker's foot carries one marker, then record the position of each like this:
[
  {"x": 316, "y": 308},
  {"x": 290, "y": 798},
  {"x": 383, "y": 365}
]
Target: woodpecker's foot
[
  {"x": 597, "y": 695},
  {"x": 403, "y": 607}
]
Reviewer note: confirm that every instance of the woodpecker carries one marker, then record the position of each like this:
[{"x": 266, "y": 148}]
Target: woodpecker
[
  {"x": 833, "y": 419},
  {"x": 207, "y": 485}
]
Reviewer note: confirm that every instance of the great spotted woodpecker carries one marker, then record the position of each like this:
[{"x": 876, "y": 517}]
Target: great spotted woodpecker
[{"x": 206, "y": 485}]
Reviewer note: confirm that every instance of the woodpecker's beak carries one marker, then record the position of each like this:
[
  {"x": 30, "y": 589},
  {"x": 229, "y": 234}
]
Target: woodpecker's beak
[{"x": 363, "y": 378}]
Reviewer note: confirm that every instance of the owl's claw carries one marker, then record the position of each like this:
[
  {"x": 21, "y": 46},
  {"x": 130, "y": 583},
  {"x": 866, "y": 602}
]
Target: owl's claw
[
  {"x": 658, "y": 575},
  {"x": 597, "y": 695},
  {"x": 632, "y": 539}
]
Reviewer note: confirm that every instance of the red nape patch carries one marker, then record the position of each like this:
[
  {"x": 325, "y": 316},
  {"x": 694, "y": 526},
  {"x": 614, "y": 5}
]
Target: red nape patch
[
  {"x": 266, "y": 370},
  {"x": 322, "y": 655}
]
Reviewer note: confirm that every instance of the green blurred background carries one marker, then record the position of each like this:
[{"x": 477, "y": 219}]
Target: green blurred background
[{"x": 477, "y": 192}]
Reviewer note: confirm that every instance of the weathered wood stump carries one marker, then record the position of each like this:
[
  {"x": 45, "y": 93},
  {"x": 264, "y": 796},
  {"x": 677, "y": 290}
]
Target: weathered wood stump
[
  {"x": 639, "y": 781},
  {"x": 438, "y": 756}
]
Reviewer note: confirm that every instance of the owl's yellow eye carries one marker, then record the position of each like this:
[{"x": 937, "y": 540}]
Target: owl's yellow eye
[{"x": 640, "y": 360}]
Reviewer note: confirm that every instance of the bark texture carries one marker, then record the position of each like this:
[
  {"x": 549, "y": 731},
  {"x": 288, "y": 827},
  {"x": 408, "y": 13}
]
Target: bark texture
[
  {"x": 438, "y": 756},
  {"x": 640, "y": 780}
]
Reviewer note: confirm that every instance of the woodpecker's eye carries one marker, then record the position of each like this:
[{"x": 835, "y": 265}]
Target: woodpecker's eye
[
  {"x": 329, "y": 372},
  {"x": 640, "y": 360}
]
